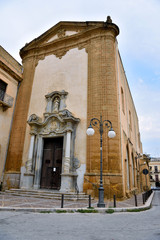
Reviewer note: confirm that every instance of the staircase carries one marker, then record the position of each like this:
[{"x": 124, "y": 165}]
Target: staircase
[{"x": 47, "y": 194}]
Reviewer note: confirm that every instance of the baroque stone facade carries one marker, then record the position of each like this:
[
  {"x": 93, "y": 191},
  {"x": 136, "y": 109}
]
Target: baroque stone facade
[{"x": 72, "y": 73}]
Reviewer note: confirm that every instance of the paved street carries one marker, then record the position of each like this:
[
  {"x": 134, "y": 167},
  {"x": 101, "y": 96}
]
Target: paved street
[{"x": 77, "y": 226}]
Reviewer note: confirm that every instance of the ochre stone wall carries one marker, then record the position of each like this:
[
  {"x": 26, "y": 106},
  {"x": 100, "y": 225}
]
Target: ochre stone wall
[
  {"x": 103, "y": 99},
  {"x": 14, "y": 157}
]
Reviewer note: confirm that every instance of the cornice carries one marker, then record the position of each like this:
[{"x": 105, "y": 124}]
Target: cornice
[
  {"x": 10, "y": 72},
  {"x": 59, "y": 47}
]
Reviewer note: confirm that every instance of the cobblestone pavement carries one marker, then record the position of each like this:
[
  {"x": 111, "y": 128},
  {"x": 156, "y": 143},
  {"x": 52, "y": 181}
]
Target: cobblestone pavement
[{"x": 8, "y": 200}]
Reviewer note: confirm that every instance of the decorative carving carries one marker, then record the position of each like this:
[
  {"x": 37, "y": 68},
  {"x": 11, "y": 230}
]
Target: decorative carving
[
  {"x": 33, "y": 118},
  {"x": 41, "y": 57},
  {"x": 56, "y": 104},
  {"x": 56, "y": 101},
  {"x": 109, "y": 20},
  {"x": 76, "y": 163},
  {"x": 61, "y": 33},
  {"x": 53, "y": 126},
  {"x": 29, "y": 166},
  {"x": 55, "y": 122},
  {"x": 60, "y": 53},
  {"x": 66, "y": 113},
  {"x": 66, "y": 165}
]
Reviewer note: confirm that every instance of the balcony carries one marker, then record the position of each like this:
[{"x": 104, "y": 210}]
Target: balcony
[{"x": 6, "y": 101}]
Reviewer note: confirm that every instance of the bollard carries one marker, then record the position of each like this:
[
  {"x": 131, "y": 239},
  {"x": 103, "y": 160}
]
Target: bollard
[
  {"x": 89, "y": 201},
  {"x": 62, "y": 200},
  {"x": 143, "y": 198},
  {"x": 114, "y": 200},
  {"x": 135, "y": 197}
]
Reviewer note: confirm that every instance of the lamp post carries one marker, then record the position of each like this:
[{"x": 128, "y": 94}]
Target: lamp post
[
  {"x": 140, "y": 165},
  {"x": 111, "y": 134}
]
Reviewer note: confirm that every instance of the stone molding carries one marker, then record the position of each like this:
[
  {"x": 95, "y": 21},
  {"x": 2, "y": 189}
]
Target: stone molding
[{"x": 86, "y": 31}]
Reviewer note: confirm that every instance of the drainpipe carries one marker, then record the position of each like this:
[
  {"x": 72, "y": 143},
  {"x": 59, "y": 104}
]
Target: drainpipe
[{"x": 19, "y": 83}]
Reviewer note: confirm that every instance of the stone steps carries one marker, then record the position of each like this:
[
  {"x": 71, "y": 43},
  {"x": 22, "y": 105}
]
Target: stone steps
[{"x": 47, "y": 194}]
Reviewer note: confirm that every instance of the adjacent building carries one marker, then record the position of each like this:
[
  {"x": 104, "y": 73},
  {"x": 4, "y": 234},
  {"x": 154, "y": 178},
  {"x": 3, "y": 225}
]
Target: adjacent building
[
  {"x": 154, "y": 166},
  {"x": 72, "y": 73},
  {"x": 10, "y": 78}
]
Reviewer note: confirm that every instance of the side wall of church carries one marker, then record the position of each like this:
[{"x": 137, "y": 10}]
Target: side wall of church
[{"x": 131, "y": 144}]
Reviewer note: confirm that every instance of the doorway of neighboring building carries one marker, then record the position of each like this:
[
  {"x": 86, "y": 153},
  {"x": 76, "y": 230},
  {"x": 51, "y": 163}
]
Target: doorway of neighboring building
[{"x": 52, "y": 163}]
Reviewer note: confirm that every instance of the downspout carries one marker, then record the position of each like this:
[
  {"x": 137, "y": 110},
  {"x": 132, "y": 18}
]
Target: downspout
[{"x": 2, "y": 178}]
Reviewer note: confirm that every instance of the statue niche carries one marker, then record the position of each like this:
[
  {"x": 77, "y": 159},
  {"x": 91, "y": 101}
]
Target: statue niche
[
  {"x": 55, "y": 105},
  {"x": 56, "y": 101}
]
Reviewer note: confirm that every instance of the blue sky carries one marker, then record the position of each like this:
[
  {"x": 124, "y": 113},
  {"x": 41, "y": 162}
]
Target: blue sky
[{"x": 139, "y": 44}]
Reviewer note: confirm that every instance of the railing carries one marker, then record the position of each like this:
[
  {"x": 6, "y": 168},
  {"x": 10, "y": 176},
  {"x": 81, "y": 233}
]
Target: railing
[{"x": 146, "y": 195}]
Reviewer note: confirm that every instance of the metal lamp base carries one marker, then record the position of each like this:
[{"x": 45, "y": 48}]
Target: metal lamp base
[
  {"x": 102, "y": 205},
  {"x": 101, "y": 198}
]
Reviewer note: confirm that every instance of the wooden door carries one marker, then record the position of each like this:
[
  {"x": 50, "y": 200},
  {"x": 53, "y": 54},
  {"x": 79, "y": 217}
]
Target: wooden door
[{"x": 52, "y": 163}]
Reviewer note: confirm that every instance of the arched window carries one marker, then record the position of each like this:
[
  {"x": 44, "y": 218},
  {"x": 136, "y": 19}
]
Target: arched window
[
  {"x": 122, "y": 100},
  {"x": 133, "y": 178},
  {"x": 127, "y": 162},
  {"x": 130, "y": 120}
]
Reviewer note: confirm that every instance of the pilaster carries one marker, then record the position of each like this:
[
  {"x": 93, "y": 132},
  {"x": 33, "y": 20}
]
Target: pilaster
[
  {"x": 103, "y": 99},
  {"x": 14, "y": 157}
]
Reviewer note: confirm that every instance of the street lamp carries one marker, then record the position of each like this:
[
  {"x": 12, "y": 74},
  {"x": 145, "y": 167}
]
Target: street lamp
[
  {"x": 111, "y": 134},
  {"x": 141, "y": 178}
]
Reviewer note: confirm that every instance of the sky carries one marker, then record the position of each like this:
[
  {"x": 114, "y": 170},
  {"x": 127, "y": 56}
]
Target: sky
[{"x": 139, "y": 44}]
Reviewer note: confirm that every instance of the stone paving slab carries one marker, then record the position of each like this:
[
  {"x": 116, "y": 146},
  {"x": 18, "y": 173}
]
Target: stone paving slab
[{"x": 11, "y": 201}]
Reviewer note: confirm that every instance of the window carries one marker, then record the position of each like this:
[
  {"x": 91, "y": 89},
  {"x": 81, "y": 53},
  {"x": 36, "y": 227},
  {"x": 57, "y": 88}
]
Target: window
[
  {"x": 122, "y": 99},
  {"x": 127, "y": 162},
  {"x": 3, "y": 86},
  {"x": 130, "y": 120},
  {"x": 133, "y": 178},
  {"x": 156, "y": 178},
  {"x": 139, "y": 140},
  {"x": 155, "y": 168}
]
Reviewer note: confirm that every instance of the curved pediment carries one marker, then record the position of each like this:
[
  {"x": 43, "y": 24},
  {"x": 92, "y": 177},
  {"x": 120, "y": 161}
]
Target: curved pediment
[
  {"x": 53, "y": 123},
  {"x": 56, "y": 93}
]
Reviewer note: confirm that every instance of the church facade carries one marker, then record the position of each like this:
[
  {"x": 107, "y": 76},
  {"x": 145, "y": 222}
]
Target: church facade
[{"x": 72, "y": 73}]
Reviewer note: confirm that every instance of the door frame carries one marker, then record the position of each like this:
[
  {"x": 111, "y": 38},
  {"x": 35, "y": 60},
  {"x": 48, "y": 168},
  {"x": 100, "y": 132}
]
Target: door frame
[
  {"x": 55, "y": 137},
  {"x": 39, "y": 159}
]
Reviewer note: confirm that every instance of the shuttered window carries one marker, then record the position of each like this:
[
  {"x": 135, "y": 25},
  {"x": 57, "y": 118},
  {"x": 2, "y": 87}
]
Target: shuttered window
[{"x": 3, "y": 86}]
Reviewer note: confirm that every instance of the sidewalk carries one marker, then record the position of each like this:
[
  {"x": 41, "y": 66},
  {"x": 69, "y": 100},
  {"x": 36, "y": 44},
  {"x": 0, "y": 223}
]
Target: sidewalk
[{"x": 9, "y": 202}]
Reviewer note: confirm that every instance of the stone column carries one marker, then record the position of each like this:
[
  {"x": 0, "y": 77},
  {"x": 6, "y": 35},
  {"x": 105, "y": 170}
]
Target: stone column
[
  {"x": 67, "y": 177},
  {"x": 29, "y": 166},
  {"x": 38, "y": 166},
  {"x": 27, "y": 175},
  {"x": 67, "y": 153}
]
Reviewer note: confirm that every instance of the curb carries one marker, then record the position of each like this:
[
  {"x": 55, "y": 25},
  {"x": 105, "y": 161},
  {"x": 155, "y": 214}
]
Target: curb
[{"x": 146, "y": 206}]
